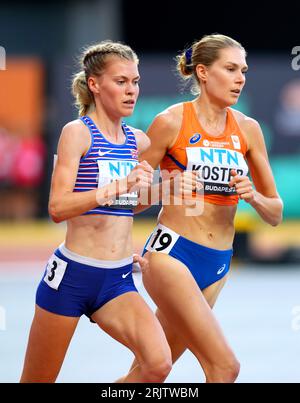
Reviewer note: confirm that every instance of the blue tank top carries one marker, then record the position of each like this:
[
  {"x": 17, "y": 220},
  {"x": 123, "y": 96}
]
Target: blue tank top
[{"x": 104, "y": 163}]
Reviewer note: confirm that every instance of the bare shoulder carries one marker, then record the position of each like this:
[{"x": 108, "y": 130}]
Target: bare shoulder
[
  {"x": 75, "y": 135},
  {"x": 245, "y": 122},
  {"x": 75, "y": 128},
  {"x": 166, "y": 126},
  {"x": 171, "y": 117},
  {"x": 249, "y": 126},
  {"x": 142, "y": 140},
  {"x": 137, "y": 132}
]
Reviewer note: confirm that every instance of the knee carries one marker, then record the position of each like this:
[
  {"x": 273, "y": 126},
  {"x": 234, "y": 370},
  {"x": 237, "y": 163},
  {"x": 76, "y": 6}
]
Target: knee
[
  {"x": 233, "y": 370},
  {"x": 225, "y": 372},
  {"x": 158, "y": 370}
]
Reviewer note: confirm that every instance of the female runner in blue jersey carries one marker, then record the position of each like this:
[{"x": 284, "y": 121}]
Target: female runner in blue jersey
[{"x": 94, "y": 188}]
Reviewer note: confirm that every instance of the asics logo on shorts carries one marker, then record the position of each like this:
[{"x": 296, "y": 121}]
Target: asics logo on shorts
[
  {"x": 125, "y": 275},
  {"x": 221, "y": 269}
]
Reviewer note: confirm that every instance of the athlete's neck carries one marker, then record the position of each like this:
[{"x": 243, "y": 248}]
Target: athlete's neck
[
  {"x": 110, "y": 126},
  {"x": 211, "y": 116}
]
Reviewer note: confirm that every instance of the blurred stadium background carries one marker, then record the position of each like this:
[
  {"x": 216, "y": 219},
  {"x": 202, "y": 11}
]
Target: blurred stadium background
[{"x": 259, "y": 306}]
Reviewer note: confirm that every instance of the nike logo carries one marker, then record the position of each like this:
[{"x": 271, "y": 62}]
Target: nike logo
[
  {"x": 101, "y": 153},
  {"x": 125, "y": 275},
  {"x": 221, "y": 269}
]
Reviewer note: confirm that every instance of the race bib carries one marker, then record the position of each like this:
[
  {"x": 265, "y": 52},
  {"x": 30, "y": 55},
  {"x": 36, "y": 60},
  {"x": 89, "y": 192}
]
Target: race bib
[
  {"x": 55, "y": 271},
  {"x": 214, "y": 166},
  {"x": 111, "y": 170},
  {"x": 162, "y": 240}
]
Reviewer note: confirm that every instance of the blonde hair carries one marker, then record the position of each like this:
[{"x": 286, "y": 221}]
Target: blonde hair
[
  {"x": 92, "y": 62},
  {"x": 205, "y": 51}
]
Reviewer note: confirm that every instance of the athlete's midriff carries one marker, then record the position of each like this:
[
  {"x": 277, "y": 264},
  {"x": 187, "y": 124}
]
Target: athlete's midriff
[
  {"x": 213, "y": 228},
  {"x": 100, "y": 236}
]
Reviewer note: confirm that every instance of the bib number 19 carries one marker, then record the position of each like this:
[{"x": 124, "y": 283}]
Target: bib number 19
[{"x": 162, "y": 240}]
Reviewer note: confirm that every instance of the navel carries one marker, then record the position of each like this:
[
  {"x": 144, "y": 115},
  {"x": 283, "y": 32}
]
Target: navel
[{"x": 210, "y": 235}]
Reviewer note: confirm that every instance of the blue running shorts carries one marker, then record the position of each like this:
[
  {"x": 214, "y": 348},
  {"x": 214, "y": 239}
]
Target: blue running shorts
[
  {"x": 207, "y": 265},
  {"x": 73, "y": 285}
]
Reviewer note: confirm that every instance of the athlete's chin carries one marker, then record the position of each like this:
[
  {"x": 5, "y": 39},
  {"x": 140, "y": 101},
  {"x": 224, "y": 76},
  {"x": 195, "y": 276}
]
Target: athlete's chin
[
  {"x": 127, "y": 111},
  {"x": 226, "y": 102},
  {"x": 231, "y": 101},
  {"x": 234, "y": 98}
]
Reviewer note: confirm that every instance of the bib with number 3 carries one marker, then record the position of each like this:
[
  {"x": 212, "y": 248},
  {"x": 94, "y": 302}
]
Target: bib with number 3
[
  {"x": 162, "y": 240},
  {"x": 55, "y": 271}
]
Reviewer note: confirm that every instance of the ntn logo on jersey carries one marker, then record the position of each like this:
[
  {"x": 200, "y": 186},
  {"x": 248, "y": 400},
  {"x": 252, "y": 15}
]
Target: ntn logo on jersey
[
  {"x": 120, "y": 169},
  {"x": 115, "y": 169},
  {"x": 215, "y": 156}
]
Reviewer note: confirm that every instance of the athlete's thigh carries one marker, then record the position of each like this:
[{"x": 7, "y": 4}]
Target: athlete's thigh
[
  {"x": 212, "y": 292},
  {"x": 129, "y": 320},
  {"x": 175, "y": 292},
  {"x": 175, "y": 341},
  {"x": 49, "y": 338}
]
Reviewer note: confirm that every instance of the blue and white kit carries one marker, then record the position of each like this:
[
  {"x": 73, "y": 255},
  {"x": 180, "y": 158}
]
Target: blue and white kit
[{"x": 104, "y": 163}]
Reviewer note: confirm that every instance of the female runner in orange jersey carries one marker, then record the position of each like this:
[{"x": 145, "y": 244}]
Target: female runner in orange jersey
[{"x": 189, "y": 255}]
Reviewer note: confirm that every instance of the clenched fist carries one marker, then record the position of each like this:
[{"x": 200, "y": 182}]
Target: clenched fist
[{"x": 140, "y": 177}]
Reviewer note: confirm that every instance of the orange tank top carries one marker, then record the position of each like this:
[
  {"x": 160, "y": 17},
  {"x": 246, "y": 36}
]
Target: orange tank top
[{"x": 213, "y": 157}]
